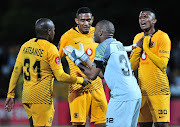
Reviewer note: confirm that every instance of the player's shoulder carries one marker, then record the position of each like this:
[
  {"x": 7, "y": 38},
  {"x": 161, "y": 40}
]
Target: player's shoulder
[
  {"x": 49, "y": 44},
  {"x": 27, "y": 43},
  {"x": 139, "y": 35},
  {"x": 162, "y": 33},
  {"x": 70, "y": 33}
]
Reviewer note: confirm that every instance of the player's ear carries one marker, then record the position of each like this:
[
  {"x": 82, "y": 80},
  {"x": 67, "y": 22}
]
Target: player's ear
[
  {"x": 49, "y": 32},
  {"x": 92, "y": 20},
  {"x": 154, "y": 21},
  {"x": 101, "y": 32},
  {"x": 76, "y": 20}
]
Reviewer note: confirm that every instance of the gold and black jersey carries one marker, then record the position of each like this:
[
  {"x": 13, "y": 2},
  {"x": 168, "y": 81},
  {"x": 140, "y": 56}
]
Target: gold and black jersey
[
  {"x": 73, "y": 37},
  {"x": 38, "y": 57},
  {"x": 152, "y": 80}
]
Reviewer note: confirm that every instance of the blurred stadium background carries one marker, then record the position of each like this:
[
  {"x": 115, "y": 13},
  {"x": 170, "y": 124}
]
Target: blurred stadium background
[{"x": 17, "y": 18}]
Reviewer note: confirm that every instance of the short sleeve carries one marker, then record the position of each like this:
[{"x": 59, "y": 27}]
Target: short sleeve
[
  {"x": 102, "y": 55},
  {"x": 53, "y": 58},
  {"x": 164, "y": 46},
  {"x": 100, "y": 51}
]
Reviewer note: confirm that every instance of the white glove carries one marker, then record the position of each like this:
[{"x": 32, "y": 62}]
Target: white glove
[
  {"x": 80, "y": 53},
  {"x": 72, "y": 55}
]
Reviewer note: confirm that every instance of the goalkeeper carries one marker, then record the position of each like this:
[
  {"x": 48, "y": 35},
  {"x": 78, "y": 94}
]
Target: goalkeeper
[{"x": 111, "y": 58}]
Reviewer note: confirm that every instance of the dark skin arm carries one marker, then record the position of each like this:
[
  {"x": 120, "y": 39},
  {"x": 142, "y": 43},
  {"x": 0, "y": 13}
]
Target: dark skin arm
[{"x": 92, "y": 72}]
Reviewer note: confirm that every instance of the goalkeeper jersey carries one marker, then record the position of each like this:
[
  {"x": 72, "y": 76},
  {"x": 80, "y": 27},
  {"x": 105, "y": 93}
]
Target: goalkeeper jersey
[
  {"x": 73, "y": 37},
  {"x": 152, "y": 80},
  {"x": 112, "y": 57},
  {"x": 38, "y": 57}
]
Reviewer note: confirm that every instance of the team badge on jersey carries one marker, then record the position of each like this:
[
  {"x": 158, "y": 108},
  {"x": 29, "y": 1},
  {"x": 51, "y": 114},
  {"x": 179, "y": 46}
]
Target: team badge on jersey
[
  {"x": 57, "y": 60},
  {"x": 76, "y": 115},
  {"x": 143, "y": 56},
  {"x": 151, "y": 44},
  {"x": 89, "y": 51}
]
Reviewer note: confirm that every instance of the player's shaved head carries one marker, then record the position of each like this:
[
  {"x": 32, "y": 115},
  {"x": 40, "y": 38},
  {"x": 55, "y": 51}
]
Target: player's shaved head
[
  {"x": 104, "y": 29},
  {"x": 45, "y": 28},
  {"x": 107, "y": 26},
  {"x": 42, "y": 26},
  {"x": 151, "y": 11}
]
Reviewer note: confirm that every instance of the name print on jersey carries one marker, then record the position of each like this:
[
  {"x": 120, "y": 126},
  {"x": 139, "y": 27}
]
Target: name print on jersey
[{"x": 33, "y": 51}]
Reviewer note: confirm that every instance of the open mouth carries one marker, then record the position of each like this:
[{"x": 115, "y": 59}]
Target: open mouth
[
  {"x": 143, "y": 24},
  {"x": 86, "y": 28}
]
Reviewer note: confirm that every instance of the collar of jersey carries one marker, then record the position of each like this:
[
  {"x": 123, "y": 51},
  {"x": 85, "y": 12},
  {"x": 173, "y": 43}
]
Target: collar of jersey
[
  {"x": 109, "y": 40},
  {"x": 37, "y": 38},
  {"x": 156, "y": 30}
]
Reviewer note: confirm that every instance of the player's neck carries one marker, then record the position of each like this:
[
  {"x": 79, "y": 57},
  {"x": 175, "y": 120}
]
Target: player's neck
[
  {"x": 107, "y": 37},
  {"x": 149, "y": 32},
  {"x": 43, "y": 36}
]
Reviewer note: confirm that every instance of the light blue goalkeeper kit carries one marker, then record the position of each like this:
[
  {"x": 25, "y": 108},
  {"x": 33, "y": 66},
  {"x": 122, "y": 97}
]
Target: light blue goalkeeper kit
[{"x": 125, "y": 99}]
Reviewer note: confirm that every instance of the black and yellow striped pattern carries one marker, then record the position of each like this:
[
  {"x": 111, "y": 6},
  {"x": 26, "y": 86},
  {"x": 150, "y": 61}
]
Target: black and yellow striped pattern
[{"x": 151, "y": 79}]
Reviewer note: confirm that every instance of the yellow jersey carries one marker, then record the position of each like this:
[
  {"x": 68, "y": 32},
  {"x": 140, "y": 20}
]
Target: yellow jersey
[
  {"x": 151, "y": 79},
  {"x": 73, "y": 37},
  {"x": 38, "y": 57}
]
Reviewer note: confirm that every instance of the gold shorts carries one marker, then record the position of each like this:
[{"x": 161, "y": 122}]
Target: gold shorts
[
  {"x": 155, "y": 108},
  {"x": 42, "y": 114},
  {"x": 92, "y": 104}
]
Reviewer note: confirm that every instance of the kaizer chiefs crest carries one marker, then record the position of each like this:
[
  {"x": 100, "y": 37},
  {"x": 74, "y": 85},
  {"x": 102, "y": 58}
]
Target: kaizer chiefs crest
[
  {"x": 151, "y": 44},
  {"x": 76, "y": 115}
]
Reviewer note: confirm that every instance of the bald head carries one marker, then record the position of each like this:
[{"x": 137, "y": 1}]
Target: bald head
[
  {"x": 104, "y": 29},
  {"x": 44, "y": 27},
  {"x": 107, "y": 26}
]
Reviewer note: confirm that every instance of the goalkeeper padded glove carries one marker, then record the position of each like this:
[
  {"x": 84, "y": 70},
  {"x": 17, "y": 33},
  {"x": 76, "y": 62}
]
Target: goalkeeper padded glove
[
  {"x": 72, "y": 56},
  {"x": 80, "y": 53}
]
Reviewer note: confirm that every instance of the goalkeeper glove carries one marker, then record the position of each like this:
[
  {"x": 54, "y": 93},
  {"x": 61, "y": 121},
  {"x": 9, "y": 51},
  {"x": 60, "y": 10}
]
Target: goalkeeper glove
[
  {"x": 72, "y": 56},
  {"x": 80, "y": 53}
]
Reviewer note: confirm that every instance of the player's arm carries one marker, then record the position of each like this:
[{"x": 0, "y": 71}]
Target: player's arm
[
  {"x": 136, "y": 54},
  {"x": 91, "y": 71},
  {"x": 161, "y": 62},
  {"x": 58, "y": 71},
  {"x": 66, "y": 78},
  {"x": 9, "y": 103},
  {"x": 14, "y": 79}
]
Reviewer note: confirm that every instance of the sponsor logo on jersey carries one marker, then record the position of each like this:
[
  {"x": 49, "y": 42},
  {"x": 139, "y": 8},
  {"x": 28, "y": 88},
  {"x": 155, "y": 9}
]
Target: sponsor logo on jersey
[
  {"x": 57, "y": 60},
  {"x": 89, "y": 52},
  {"x": 162, "y": 51},
  {"x": 143, "y": 56}
]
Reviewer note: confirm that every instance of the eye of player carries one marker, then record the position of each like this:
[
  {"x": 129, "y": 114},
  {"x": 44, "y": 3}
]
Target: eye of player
[{"x": 83, "y": 20}]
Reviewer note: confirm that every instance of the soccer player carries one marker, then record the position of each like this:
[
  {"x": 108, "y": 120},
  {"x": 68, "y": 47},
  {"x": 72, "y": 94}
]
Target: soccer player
[
  {"x": 38, "y": 58},
  {"x": 151, "y": 60},
  {"x": 90, "y": 100},
  {"x": 111, "y": 58}
]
